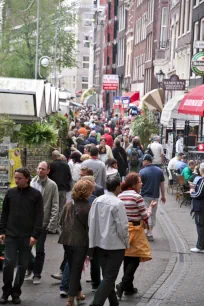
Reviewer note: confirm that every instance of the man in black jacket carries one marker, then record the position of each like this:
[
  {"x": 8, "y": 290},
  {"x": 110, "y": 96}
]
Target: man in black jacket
[
  {"x": 60, "y": 173},
  {"x": 20, "y": 227}
]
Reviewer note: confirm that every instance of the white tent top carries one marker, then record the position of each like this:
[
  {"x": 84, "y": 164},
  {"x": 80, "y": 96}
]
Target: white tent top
[{"x": 170, "y": 112}]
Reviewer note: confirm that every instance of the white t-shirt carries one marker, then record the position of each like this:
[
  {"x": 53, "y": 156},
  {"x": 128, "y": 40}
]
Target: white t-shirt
[{"x": 158, "y": 151}]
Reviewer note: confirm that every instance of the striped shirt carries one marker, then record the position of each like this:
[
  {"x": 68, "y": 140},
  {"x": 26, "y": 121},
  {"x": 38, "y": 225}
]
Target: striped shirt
[{"x": 134, "y": 205}]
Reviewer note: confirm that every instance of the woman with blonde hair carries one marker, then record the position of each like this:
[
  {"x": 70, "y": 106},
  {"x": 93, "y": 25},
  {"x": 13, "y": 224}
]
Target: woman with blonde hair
[{"x": 74, "y": 236}]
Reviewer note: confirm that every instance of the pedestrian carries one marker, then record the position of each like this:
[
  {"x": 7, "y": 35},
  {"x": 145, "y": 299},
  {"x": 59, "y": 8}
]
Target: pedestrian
[
  {"x": 60, "y": 173},
  {"x": 125, "y": 141},
  {"x": 97, "y": 166},
  {"x": 92, "y": 138},
  {"x": 49, "y": 191},
  {"x": 135, "y": 156},
  {"x": 108, "y": 235},
  {"x": 106, "y": 147},
  {"x": 103, "y": 156},
  {"x": 121, "y": 156},
  {"x": 157, "y": 151},
  {"x": 74, "y": 236},
  {"x": 152, "y": 182},
  {"x": 112, "y": 168},
  {"x": 76, "y": 167},
  {"x": 82, "y": 129},
  {"x": 136, "y": 211},
  {"x": 172, "y": 165},
  {"x": 108, "y": 137},
  {"x": 20, "y": 228},
  {"x": 181, "y": 164},
  {"x": 197, "y": 194}
]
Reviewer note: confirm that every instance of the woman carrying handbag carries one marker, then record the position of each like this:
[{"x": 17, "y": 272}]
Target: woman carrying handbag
[
  {"x": 139, "y": 249},
  {"x": 74, "y": 236}
]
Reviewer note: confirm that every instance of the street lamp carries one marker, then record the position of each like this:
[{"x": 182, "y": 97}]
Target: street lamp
[
  {"x": 160, "y": 77},
  {"x": 44, "y": 61}
]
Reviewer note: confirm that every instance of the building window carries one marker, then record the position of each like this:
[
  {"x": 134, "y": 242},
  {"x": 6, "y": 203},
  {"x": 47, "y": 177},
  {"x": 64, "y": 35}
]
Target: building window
[
  {"x": 84, "y": 86},
  {"x": 84, "y": 79},
  {"x": 121, "y": 17},
  {"x": 86, "y": 41},
  {"x": 85, "y": 61},
  {"x": 150, "y": 10},
  {"x": 163, "y": 35},
  {"x": 88, "y": 18},
  {"x": 121, "y": 52}
]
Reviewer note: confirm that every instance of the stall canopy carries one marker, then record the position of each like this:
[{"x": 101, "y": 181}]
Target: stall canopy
[
  {"x": 154, "y": 99},
  {"x": 193, "y": 102},
  {"x": 133, "y": 96},
  {"x": 170, "y": 112}
]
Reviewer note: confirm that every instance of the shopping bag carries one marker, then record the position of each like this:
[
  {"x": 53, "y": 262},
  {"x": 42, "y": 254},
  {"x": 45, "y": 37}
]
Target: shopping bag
[{"x": 138, "y": 243}]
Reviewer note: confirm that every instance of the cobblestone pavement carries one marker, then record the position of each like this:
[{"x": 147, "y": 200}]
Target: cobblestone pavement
[{"x": 173, "y": 277}]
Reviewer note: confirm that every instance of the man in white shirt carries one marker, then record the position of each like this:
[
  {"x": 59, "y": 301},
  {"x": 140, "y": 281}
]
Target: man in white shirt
[
  {"x": 157, "y": 150},
  {"x": 108, "y": 234},
  {"x": 172, "y": 164}
]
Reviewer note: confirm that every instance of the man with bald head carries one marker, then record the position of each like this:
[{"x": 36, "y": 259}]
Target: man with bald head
[{"x": 49, "y": 191}]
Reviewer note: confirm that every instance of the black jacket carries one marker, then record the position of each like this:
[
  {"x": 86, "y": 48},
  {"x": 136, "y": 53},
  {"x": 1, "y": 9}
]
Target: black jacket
[
  {"x": 22, "y": 213},
  {"x": 60, "y": 173},
  {"x": 198, "y": 197},
  {"x": 121, "y": 156}
]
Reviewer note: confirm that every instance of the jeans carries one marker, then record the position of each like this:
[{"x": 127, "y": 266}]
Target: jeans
[
  {"x": 75, "y": 257},
  {"x": 36, "y": 263},
  {"x": 199, "y": 221},
  {"x": 130, "y": 266},
  {"x": 65, "y": 278},
  {"x": 63, "y": 264},
  {"x": 95, "y": 270},
  {"x": 110, "y": 261},
  {"x": 17, "y": 252}
]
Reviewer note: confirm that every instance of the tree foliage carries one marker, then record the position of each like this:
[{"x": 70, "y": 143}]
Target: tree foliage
[
  {"x": 18, "y": 41},
  {"x": 145, "y": 126}
]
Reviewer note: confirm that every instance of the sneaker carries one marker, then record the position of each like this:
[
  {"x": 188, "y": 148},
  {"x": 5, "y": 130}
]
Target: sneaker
[
  {"x": 150, "y": 238},
  {"x": 63, "y": 293},
  {"x": 196, "y": 250},
  {"x": 133, "y": 291},
  {"x": 119, "y": 291},
  {"x": 28, "y": 275},
  {"x": 36, "y": 280},
  {"x": 4, "y": 299},
  {"x": 57, "y": 276},
  {"x": 16, "y": 300}
]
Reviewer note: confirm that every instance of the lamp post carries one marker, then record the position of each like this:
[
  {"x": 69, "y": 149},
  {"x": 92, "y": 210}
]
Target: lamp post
[
  {"x": 37, "y": 39},
  {"x": 160, "y": 77}
]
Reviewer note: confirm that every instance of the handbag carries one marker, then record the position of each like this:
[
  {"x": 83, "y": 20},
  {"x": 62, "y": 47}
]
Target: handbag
[
  {"x": 138, "y": 243},
  {"x": 149, "y": 151}
]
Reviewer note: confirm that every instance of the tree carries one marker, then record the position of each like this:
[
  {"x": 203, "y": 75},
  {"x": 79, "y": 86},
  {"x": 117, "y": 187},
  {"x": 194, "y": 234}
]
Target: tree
[
  {"x": 145, "y": 126},
  {"x": 18, "y": 41}
]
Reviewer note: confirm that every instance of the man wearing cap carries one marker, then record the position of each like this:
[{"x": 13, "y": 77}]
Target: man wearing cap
[{"x": 152, "y": 182}]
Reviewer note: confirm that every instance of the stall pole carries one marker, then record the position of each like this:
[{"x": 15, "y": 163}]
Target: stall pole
[
  {"x": 174, "y": 138},
  {"x": 201, "y": 129}
]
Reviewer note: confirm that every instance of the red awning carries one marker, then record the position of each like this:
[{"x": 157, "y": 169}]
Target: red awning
[
  {"x": 134, "y": 96},
  {"x": 193, "y": 102}
]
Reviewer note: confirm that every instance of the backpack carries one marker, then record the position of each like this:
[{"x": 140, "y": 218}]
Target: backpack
[{"x": 134, "y": 157}]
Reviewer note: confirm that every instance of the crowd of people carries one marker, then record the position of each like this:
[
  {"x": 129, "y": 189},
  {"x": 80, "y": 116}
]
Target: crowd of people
[{"x": 96, "y": 196}]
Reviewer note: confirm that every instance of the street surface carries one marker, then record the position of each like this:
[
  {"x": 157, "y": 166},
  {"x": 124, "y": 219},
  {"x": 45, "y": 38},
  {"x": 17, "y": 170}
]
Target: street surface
[{"x": 173, "y": 277}]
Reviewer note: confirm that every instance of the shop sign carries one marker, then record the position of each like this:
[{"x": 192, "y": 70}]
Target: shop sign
[
  {"x": 125, "y": 102},
  {"x": 117, "y": 101},
  {"x": 174, "y": 83},
  {"x": 197, "y": 63},
  {"x": 110, "y": 82},
  {"x": 198, "y": 44}
]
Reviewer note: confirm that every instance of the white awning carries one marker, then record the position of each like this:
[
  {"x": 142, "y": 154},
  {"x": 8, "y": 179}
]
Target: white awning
[
  {"x": 154, "y": 99},
  {"x": 170, "y": 112}
]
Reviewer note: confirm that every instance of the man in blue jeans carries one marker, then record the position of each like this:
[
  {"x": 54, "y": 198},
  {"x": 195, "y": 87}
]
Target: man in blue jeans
[
  {"x": 20, "y": 227},
  {"x": 49, "y": 191}
]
